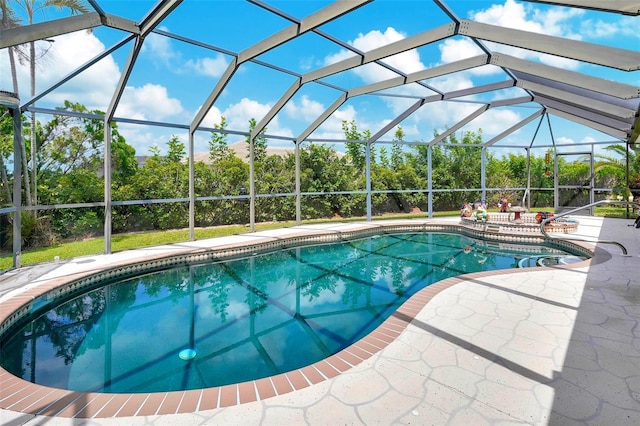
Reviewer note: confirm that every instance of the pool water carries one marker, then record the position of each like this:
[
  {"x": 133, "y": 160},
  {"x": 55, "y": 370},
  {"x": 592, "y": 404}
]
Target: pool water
[{"x": 207, "y": 325}]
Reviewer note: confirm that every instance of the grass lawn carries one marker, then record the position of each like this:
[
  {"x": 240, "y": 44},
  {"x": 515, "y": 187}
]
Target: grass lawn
[{"x": 69, "y": 250}]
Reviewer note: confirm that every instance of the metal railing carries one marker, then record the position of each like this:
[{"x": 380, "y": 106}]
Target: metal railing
[{"x": 587, "y": 206}]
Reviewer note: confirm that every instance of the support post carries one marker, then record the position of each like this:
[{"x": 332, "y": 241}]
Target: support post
[
  {"x": 528, "y": 190},
  {"x": 429, "y": 182},
  {"x": 107, "y": 185},
  {"x": 192, "y": 190},
  {"x": 367, "y": 172},
  {"x": 483, "y": 173},
  {"x": 17, "y": 190},
  {"x": 298, "y": 185},
  {"x": 252, "y": 186}
]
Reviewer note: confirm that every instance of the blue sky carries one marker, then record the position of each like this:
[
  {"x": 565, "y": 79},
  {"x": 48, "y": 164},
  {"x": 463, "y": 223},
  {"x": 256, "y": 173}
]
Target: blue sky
[{"x": 172, "y": 79}]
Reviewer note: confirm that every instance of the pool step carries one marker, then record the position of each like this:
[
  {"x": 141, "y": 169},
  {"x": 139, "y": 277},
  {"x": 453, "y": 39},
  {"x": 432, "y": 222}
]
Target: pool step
[{"x": 532, "y": 261}]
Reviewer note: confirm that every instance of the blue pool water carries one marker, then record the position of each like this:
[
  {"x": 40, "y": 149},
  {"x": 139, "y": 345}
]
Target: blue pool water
[{"x": 207, "y": 325}]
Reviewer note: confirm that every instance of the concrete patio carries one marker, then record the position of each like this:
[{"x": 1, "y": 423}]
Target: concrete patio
[{"x": 538, "y": 346}]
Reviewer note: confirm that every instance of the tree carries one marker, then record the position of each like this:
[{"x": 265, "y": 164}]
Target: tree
[
  {"x": 356, "y": 151},
  {"x": 218, "y": 146},
  {"x": 611, "y": 169},
  {"x": 6, "y": 148},
  {"x": 72, "y": 142},
  {"x": 71, "y": 166},
  {"x": 31, "y": 7},
  {"x": 396, "y": 148},
  {"x": 11, "y": 20},
  {"x": 455, "y": 166},
  {"x": 322, "y": 170},
  {"x": 176, "y": 150},
  {"x": 162, "y": 178},
  {"x": 259, "y": 143}
]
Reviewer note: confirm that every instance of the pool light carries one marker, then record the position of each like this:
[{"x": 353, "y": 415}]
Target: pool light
[{"x": 187, "y": 354}]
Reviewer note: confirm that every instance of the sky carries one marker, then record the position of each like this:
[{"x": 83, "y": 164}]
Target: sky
[{"x": 172, "y": 79}]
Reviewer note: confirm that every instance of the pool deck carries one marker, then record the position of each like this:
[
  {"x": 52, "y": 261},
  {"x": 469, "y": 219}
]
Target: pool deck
[{"x": 537, "y": 346}]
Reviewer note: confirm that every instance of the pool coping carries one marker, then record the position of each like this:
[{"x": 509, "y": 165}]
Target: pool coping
[{"x": 25, "y": 397}]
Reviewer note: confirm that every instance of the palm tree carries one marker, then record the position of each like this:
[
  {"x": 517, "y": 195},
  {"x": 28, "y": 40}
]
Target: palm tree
[
  {"x": 11, "y": 20},
  {"x": 31, "y": 7},
  {"x": 615, "y": 167}
]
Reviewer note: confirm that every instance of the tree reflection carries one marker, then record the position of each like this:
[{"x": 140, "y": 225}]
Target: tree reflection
[{"x": 228, "y": 309}]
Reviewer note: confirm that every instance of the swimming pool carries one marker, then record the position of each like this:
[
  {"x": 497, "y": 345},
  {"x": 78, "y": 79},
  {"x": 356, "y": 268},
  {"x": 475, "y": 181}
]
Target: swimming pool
[{"x": 204, "y": 325}]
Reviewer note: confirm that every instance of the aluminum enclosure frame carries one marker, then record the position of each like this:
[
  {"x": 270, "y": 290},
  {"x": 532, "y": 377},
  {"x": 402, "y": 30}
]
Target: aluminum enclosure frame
[{"x": 607, "y": 106}]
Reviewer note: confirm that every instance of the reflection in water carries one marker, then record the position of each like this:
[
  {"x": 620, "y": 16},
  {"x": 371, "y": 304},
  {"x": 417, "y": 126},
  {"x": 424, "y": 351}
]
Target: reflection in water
[{"x": 228, "y": 322}]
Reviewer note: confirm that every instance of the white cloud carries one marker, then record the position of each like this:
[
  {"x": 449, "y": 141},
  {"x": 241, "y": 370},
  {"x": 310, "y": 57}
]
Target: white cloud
[
  {"x": 554, "y": 21},
  {"x": 92, "y": 88},
  {"x": 600, "y": 29},
  {"x": 407, "y": 62},
  {"x": 151, "y": 102},
  {"x": 510, "y": 15},
  {"x": 624, "y": 27},
  {"x": 332, "y": 127},
  {"x": 452, "y": 82},
  {"x": 452, "y": 49},
  {"x": 496, "y": 120},
  {"x": 564, "y": 140},
  {"x": 210, "y": 67},
  {"x": 161, "y": 50},
  {"x": 457, "y": 49},
  {"x": 337, "y": 57},
  {"x": 212, "y": 117},
  {"x": 307, "y": 109},
  {"x": 142, "y": 138},
  {"x": 307, "y": 63},
  {"x": 239, "y": 114}
]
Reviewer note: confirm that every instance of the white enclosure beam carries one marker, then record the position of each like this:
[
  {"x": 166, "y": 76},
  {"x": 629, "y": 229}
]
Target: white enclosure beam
[
  {"x": 217, "y": 90},
  {"x": 153, "y": 19},
  {"x": 587, "y": 102},
  {"x": 513, "y": 128},
  {"x": 327, "y": 14},
  {"x": 479, "y": 89},
  {"x": 390, "y": 49},
  {"x": 586, "y": 114},
  {"x": 44, "y": 30},
  {"x": 510, "y": 101},
  {"x": 323, "y": 16},
  {"x": 157, "y": 15},
  {"x": 459, "y": 125},
  {"x": 609, "y": 87},
  {"x": 626, "y": 7},
  {"x": 276, "y": 108},
  {"x": 450, "y": 68},
  {"x": 326, "y": 114},
  {"x": 583, "y": 121},
  {"x": 375, "y": 87},
  {"x": 413, "y": 108},
  {"x": 437, "y": 71},
  {"x": 78, "y": 70},
  {"x": 626, "y": 60}
]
